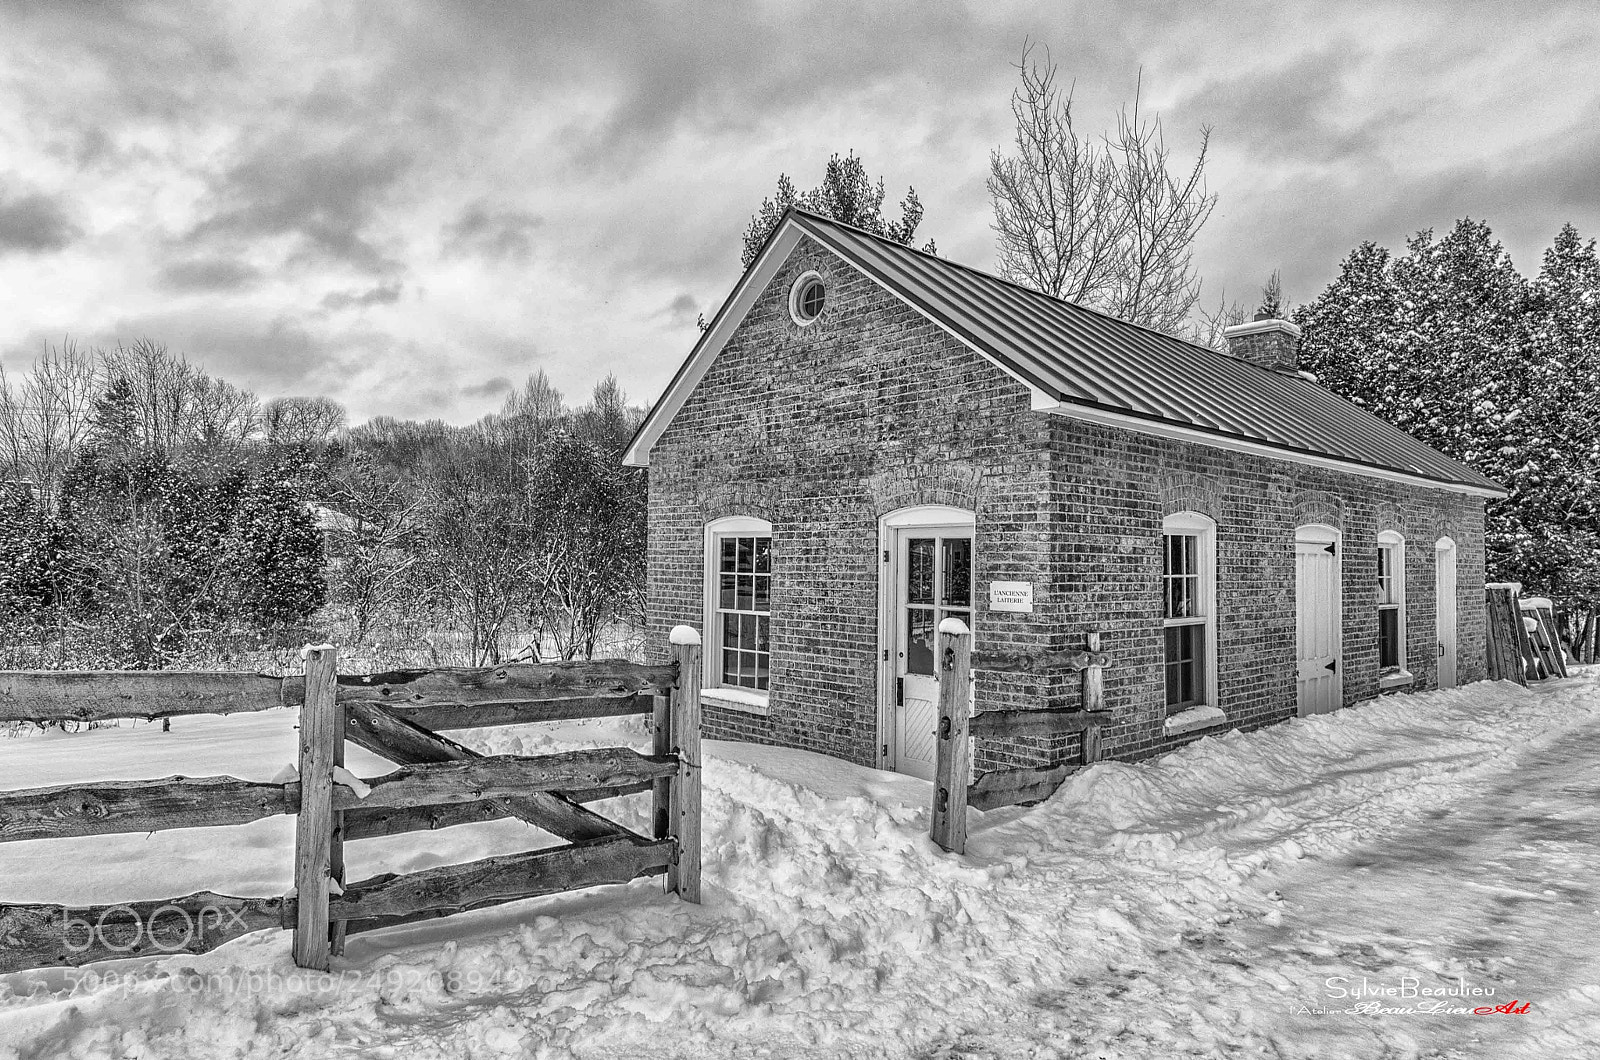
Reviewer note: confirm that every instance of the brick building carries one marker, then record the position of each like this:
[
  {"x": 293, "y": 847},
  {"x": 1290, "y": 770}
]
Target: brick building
[{"x": 869, "y": 439}]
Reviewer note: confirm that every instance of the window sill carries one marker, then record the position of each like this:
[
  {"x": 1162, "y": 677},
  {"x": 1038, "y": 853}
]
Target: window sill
[
  {"x": 744, "y": 700},
  {"x": 1395, "y": 679},
  {"x": 1192, "y": 719}
]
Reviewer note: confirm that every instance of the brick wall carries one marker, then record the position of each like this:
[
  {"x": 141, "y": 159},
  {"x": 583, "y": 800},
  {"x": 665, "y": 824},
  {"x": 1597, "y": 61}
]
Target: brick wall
[{"x": 824, "y": 429}]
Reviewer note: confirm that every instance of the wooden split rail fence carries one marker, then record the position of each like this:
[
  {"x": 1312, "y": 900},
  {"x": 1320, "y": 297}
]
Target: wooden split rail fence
[
  {"x": 952, "y": 794},
  {"x": 1524, "y": 643},
  {"x": 439, "y": 783}
]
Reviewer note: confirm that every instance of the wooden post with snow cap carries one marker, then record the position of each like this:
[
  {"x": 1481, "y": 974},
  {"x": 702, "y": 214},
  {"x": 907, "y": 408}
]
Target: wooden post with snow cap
[
  {"x": 1094, "y": 699},
  {"x": 683, "y": 876},
  {"x": 952, "y": 764},
  {"x": 320, "y": 736}
]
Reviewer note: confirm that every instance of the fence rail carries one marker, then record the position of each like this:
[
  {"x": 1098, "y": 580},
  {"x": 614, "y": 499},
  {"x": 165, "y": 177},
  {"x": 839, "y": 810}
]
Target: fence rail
[
  {"x": 438, "y": 783},
  {"x": 952, "y": 793}
]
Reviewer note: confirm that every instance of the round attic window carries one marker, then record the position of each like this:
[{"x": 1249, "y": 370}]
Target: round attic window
[{"x": 806, "y": 298}]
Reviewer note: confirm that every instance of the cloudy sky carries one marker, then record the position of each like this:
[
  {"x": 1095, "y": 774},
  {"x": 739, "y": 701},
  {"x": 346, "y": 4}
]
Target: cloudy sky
[{"x": 410, "y": 206}]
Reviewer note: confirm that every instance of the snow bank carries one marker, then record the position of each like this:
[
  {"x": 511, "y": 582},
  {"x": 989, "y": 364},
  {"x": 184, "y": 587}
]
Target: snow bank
[{"x": 1096, "y": 924}]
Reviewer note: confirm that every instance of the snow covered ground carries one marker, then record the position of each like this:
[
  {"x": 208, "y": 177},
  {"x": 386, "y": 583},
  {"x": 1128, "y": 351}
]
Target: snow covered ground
[{"x": 1251, "y": 895}]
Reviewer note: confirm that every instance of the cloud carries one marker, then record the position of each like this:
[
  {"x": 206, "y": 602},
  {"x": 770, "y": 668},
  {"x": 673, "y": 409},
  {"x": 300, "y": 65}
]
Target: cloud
[
  {"x": 209, "y": 274},
  {"x": 684, "y": 309},
  {"x": 383, "y": 294},
  {"x": 567, "y": 183},
  {"x": 272, "y": 355},
  {"x": 499, "y": 234},
  {"x": 34, "y": 223},
  {"x": 1298, "y": 108},
  {"x": 488, "y": 388},
  {"x": 324, "y": 199}
]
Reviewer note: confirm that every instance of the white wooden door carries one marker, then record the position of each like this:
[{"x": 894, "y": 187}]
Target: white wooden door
[
  {"x": 933, "y": 578},
  {"x": 1444, "y": 594},
  {"x": 1318, "y": 634}
]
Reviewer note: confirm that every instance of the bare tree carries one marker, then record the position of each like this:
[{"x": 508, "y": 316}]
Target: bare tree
[
  {"x": 1059, "y": 223},
  {"x": 45, "y": 416},
  {"x": 302, "y": 420},
  {"x": 170, "y": 403},
  {"x": 372, "y": 562},
  {"x": 1207, "y": 331},
  {"x": 1105, "y": 223}
]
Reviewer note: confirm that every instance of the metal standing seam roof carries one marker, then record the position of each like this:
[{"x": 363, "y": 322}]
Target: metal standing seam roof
[{"x": 1082, "y": 357}]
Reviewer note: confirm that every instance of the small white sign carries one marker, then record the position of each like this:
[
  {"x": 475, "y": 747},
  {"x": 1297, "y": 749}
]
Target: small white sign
[{"x": 1011, "y": 596}]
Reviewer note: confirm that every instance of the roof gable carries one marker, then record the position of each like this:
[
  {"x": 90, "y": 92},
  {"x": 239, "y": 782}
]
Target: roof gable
[{"x": 1081, "y": 362}]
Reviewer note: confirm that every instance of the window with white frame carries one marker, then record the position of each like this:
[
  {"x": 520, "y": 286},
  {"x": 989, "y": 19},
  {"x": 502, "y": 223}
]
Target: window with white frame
[
  {"x": 1188, "y": 591},
  {"x": 739, "y": 605},
  {"x": 1391, "y": 603}
]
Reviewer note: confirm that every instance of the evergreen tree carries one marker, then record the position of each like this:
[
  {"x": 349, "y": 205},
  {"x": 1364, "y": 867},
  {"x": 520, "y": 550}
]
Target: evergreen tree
[
  {"x": 276, "y": 551},
  {"x": 1451, "y": 343},
  {"x": 846, "y": 194},
  {"x": 1273, "y": 305}
]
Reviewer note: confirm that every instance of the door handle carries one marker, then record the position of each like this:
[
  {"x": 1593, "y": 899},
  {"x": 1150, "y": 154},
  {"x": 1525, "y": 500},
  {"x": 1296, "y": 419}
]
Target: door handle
[
  {"x": 1334, "y": 666},
  {"x": 1441, "y": 649}
]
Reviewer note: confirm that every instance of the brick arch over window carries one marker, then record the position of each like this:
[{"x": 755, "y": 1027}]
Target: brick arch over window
[
  {"x": 1319, "y": 506},
  {"x": 953, "y": 484},
  {"x": 1184, "y": 492},
  {"x": 726, "y": 499},
  {"x": 1446, "y": 526},
  {"x": 1386, "y": 515}
]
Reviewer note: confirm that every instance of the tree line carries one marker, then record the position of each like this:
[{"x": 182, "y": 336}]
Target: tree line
[
  {"x": 156, "y": 516},
  {"x": 1449, "y": 341}
]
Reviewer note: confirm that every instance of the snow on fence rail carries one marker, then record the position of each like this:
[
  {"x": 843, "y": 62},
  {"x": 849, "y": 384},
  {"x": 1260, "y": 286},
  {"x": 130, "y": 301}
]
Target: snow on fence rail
[
  {"x": 439, "y": 783},
  {"x": 952, "y": 794}
]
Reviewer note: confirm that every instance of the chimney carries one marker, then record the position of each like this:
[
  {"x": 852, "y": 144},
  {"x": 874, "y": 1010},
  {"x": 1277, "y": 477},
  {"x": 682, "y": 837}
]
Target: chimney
[{"x": 1265, "y": 341}]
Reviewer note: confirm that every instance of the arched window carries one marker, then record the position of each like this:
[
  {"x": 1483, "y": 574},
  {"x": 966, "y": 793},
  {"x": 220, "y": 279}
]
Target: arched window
[
  {"x": 738, "y": 621},
  {"x": 1189, "y": 610},
  {"x": 1392, "y": 609}
]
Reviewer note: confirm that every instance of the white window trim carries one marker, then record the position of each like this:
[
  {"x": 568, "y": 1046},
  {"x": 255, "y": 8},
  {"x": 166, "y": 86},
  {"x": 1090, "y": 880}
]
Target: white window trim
[
  {"x": 794, "y": 297},
  {"x": 1205, "y": 528},
  {"x": 745, "y": 700},
  {"x": 1396, "y": 545}
]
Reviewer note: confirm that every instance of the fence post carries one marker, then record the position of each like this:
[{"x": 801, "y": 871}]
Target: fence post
[
  {"x": 661, "y": 744},
  {"x": 320, "y": 735},
  {"x": 1094, "y": 698},
  {"x": 952, "y": 754},
  {"x": 336, "y": 929},
  {"x": 683, "y": 876}
]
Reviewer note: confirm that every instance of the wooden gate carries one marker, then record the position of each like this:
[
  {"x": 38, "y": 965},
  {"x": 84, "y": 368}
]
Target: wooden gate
[
  {"x": 952, "y": 793},
  {"x": 439, "y": 783}
]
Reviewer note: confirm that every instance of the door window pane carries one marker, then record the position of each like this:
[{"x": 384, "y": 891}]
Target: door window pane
[
  {"x": 919, "y": 640},
  {"x": 957, "y": 588},
  {"x": 919, "y": 570}
]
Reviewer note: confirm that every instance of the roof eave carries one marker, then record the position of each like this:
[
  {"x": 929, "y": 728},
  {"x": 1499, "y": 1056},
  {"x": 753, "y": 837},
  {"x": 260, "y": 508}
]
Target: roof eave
[{"x": 1187, "y": 432}]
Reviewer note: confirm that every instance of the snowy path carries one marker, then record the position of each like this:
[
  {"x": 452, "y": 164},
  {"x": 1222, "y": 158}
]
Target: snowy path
[
  {"x": 1184, "y": 907},
  {"x": 1495, "y": 891}
]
